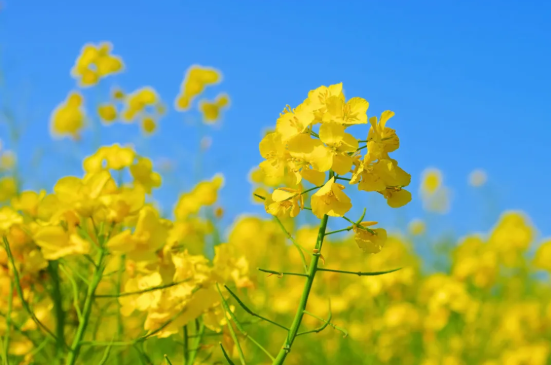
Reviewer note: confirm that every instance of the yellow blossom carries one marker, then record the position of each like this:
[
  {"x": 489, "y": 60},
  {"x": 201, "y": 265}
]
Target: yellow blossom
[
  {"x": 68, "y": 118},
  {"x": 330, "y": 200},
  {"x": 107, "y": 112}
]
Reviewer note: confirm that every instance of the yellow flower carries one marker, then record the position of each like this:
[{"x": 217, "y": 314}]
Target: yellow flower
[
  {"x": 354, "y": 111},
  {"x": 211, "y": 109},
  {"x": 107, "y": 112},
  {"x": 381, "y": 139},
  {"x": 137, "y": 102},
  {"x": 82, "y": 195},
  {"x": 317, "y": 98},
  {"x": 8, "y": 188},
  {"x": 94, "y": 63},
  {"x": 143, "y": 174},
  {"x": 431, "y": 180},
  {"x": 284, "y": 202},
  {"x": 542, "y": 259},
  {"x": 68, "y": 118},
  {"x": 396, "y": 198},
  {"x": 330, "y": 200},
  {"x": 203, "y": 194},
  {"x": 372, "y": 240},
  {"x": 109, "y": 157},
  {"x": 195, "y": 81},
  {"x": 295, "y": 122},
  {"x": 56, "y": 242},
  {"x": 8, "y": 218},
  {"x": 273, "y": 150},
  {"x": 28, "y": 202},
  {"x": 144, "y": 301},
  {"x": 117, "y": 94},
  {"x": 149, "y": 236},
  {"x": 377, "y": 176},
  {"x": 417, "y": 227},
  {"x": 125, "y": 202},
  {"x": 339, "y": 143},
  {"x": 149, "y": 125},
  {"x": 309, "y": 159}
]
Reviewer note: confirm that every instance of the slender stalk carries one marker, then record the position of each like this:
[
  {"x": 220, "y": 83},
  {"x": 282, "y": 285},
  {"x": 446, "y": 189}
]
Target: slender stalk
[
  {"x": 290, "y": 237},
  {"x": 360, "y": 273},
  {"x": 281, "y": 273},
  {"x": 120, "y": 327},
  {"x": 20, "y": 292},
  {"x": 53, "y": 270},
  {"x": 186, "y": 343},
  {"x": 293, "y": 331},
  {"x": 87, "y": 310},
  {"x": 235, "y": 340},
  {"x": 8, "y": 325},
  {"x": 153, "y": 288},
  {"x": 200, "y": 330}
]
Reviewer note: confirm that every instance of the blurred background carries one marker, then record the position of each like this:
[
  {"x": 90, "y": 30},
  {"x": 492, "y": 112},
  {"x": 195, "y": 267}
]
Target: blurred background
[{"x": 468, "y": 82}]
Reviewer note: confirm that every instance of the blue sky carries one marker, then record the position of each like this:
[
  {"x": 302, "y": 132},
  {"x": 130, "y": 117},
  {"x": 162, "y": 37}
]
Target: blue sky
[{"x": 468, "y": 80}]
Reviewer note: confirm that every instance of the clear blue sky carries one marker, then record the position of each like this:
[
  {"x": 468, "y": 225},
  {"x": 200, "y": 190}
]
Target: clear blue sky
[{"x": 469, "y": 82}]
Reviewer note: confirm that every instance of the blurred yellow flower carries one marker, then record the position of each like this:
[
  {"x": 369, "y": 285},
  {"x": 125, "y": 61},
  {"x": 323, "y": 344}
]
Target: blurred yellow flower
[
  {"x": 95, "y": 62},
  {"x": 417, "y": 227},
  {"x": 431, "y": 180},
  {"x": 195, "y": 81},
  {"x": 107, "y": 112},
  {"x": 68, "y": 118},
  {"x": 8, "y": 188},
  {"x": 211, "y": 109}
]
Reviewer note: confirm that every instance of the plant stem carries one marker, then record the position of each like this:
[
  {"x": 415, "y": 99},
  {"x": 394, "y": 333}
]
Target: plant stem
[
  {"x": 200, "y": 330},
  {"x": 186, "y": 344},
  {"x": 53, "y": 269},
  {"x": 6, "y": 343},
  {"x": 87, "y": 310},
  {"x": 293, "y": 331},
  {"x": 120, "y": 327}
]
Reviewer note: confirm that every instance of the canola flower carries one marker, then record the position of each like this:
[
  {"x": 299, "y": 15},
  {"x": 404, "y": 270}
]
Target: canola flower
[{"x": 322, "y": 156}]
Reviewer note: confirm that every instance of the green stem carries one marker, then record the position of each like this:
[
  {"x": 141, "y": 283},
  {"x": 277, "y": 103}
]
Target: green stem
[
  {"x": 200, "y": 330},
  {"x": 186, "y": 343},
  {"x": 8, "y": 324},
  {"x": 281, "y": 273},
  {"x": 20, "y": 292},
  {"x": 87, "y": 310},
  {"x": 360, "y": 273},
  {"x": 295, "y": 243},
  {"x": 120, "y": 327},
  {"x": 293, "y": 331},
  {"x": 53, "y": 270}
]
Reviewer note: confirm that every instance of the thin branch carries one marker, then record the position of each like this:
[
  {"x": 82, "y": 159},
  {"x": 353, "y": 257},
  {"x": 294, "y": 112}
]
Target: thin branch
[
  {"x": 153, "y": 288},
  {"x": 251, "y": 312},
  {"x": 20, "y": 293},
  {"x": 239, "y": 326},
  {"x": 360, "y": 273},
  {"x": 294, "y": 242},
  {"x": 323, "y": 326},
  {"x": 345, "y": 332},
  {"x": 75, "y": 291},
  {"x": 281, "y": 273},
  {"x": 226, "y": 355}
]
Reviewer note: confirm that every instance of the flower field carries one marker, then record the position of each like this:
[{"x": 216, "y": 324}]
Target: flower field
[{"x": 94, "y": 271}]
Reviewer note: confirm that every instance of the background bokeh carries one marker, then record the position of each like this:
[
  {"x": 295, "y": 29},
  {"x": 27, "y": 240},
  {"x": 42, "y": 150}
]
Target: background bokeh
[{"x": 468, "y": 82}]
